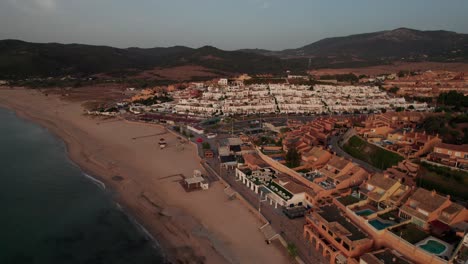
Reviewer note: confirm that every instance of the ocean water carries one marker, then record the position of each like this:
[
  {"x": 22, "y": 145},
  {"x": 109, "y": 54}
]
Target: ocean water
[{"x": 51, "y": 213}]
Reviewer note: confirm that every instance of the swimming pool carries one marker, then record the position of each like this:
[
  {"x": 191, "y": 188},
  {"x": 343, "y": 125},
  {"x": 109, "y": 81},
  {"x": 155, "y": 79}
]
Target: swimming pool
[
  {"x": 433, "y": 246},
  {"x": 379, "y": 225},
  {"x": 365, "y": 212}
]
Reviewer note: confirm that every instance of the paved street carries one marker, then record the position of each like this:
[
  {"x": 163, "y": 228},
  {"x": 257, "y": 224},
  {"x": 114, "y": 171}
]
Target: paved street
[
  {"x": 290, "y": 230},
  {"x": 335, "y": 147}
]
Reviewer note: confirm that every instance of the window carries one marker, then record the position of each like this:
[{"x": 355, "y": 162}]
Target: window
[{"x": 346, "y": 246}]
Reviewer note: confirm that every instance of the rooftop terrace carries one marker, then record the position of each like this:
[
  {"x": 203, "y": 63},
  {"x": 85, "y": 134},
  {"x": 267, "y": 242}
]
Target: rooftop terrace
[{"x": 331, "y": 213}]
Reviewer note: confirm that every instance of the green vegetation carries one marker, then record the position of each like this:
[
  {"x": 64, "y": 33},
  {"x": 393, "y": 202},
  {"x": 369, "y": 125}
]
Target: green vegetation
[
  {"x": 457, "y": 101},
  {"x": 410, "y": 232},
  {"x": 264, "y": 140},
  {"x": 443, "y": 180},
  {"x": 394, "y": 89},
  {"x": 372, "y": 154},
  {"x": 155, "y": 100},
  {"x": 350, "y": 77},
  {"x": 206, "y": 145},
  {"x": 293, "y": 158},
  {"x": 449, "y": 127},
  {"x": 292, "y": 250},
  {"x": 278, "y": 188},
  {"x": 264, "y": 80},
  {"x": 400, "y": 109},
  {"x": 347, "y": 200},
  {"x": 19, "y": 60}
]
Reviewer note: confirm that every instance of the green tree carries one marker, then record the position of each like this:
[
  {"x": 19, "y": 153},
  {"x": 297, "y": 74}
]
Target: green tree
[
  {"x": 206, "y": 145},
  {"x": 292, "y": 250},
  {"x": 293, "y": 158},
  {"x": 394, "y": 89}
]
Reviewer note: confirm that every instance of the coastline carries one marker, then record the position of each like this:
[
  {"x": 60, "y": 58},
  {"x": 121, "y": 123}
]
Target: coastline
[
  {"x": 179, "y": 222},
  {"x": 87, "y": 173}
]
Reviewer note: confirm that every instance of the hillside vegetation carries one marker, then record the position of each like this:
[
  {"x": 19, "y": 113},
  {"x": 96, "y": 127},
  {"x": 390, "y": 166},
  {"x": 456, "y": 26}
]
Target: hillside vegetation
[
  {"x": 376, "y": 156},
  {"x": 19, "y": 59}
]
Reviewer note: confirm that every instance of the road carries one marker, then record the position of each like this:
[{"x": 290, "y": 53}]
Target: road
[
  {"x": 335, "y": 147},
  {"x": 290, "y": 230}
]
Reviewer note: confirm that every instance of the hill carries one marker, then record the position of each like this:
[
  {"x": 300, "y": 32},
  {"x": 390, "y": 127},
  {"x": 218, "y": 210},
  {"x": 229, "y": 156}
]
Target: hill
[
  {"x": 19, "y": 59},
  {"x": 382, "y": 47}
]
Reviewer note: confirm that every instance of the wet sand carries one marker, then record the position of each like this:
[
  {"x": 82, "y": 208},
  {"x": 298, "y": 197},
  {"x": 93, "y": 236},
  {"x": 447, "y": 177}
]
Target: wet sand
[{"x": 195, "y": 227}]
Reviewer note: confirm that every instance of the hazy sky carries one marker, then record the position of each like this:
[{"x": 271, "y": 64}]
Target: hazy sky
[{"x": 227, "y": 24}]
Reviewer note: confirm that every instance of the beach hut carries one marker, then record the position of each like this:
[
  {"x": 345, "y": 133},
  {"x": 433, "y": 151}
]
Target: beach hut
[{"x": 195, "y": 182}]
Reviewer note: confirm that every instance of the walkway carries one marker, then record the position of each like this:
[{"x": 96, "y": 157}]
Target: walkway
[{"x": 335, "y": 147}]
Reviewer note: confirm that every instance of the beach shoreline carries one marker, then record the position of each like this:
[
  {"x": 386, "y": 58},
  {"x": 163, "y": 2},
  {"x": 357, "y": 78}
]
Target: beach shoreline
[
  {"x": 89, "y": 173},
  {"x": 181, "y": 224}
]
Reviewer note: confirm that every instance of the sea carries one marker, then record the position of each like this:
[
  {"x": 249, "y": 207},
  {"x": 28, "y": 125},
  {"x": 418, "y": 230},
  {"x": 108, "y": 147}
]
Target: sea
[{"x": 52, "y": 212}]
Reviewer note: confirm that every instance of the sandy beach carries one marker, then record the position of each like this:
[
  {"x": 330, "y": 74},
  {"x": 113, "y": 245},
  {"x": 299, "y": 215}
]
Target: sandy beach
[{"x": 195, "y": 227}]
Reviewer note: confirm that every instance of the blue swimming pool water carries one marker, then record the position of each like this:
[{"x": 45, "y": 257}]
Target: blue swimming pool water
[
  {"x": 433, "y": 247},
  {"x": 365, "y": 212},
  {"x": 377, "y": 224}
]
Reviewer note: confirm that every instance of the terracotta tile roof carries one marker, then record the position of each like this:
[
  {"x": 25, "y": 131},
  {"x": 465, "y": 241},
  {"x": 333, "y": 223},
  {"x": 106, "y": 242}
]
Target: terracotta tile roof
[
  {"x": 427, "y": 200},
  {"x": 463, "y": 148},
  {"x": 254, "y": 159},
  {"x": 315, "y": 152},
  {"x": 413, "y": 212},
  {"x": 453, "y": 208},
  {"x": 292, "y": 186},
  {"x": 382, "y": 181},
  {"x": 339, "y": 163}
]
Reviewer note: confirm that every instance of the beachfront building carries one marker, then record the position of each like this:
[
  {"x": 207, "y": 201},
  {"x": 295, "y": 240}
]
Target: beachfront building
[
  {"x": 275, "y": 188},
  {"x": 196, "y": 182},
  {"x": 334, "y": 235},
  {"x": 450, "y": 155}
]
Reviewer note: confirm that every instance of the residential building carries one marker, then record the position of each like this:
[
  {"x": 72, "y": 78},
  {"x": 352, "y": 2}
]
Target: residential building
[
  {"x": 450, "y": 155},
  {"x": 423, "y": 207},
  {"x": 334, "y": 235},
  {"x": 383, "y": 256}
]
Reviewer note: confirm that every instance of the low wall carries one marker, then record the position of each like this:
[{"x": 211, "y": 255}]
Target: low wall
[
  {"x": 410, "y": 251},
  {"x": 284, "y": 169},
  {"x": 386, "y": 238}
]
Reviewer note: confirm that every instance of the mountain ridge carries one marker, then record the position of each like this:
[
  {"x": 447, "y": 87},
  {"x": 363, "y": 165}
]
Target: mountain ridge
[{"x": 20, "y": 59}]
